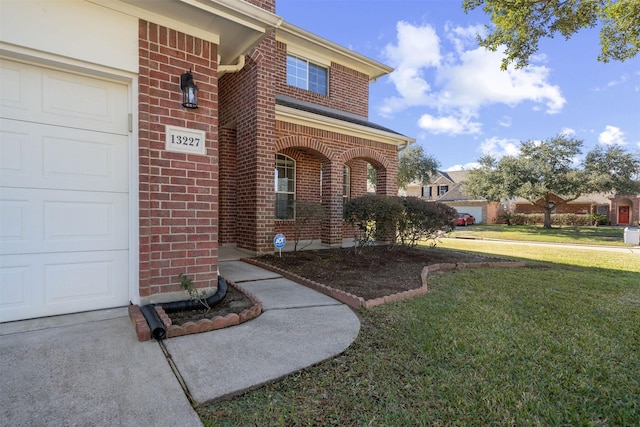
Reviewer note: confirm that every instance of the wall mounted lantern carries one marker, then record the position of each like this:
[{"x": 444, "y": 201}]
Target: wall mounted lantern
[{"x": 189, "y": 91}]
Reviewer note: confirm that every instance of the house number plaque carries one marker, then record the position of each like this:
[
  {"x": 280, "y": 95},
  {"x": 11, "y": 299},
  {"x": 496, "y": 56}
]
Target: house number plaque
[{"x": 184, "y": 140}]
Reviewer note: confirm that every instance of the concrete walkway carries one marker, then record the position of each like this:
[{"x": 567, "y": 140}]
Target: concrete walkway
[{"x": 89, "y": 369}]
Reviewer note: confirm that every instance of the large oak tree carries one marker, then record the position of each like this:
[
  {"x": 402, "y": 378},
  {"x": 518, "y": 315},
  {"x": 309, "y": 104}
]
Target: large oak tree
[
  {"x": 415, "y": 165},
  {"x": 546, "y": 169},
  {"x": 518, "y": 25}
]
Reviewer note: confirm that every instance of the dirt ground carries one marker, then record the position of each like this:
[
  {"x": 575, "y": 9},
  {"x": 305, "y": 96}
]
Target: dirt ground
[
  {"x": 233, "y": 302},
  {"x": 374, "y": 273}
]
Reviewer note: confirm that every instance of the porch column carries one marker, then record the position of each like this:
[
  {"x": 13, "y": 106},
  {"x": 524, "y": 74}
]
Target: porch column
[{"x": 332, "y": 201}]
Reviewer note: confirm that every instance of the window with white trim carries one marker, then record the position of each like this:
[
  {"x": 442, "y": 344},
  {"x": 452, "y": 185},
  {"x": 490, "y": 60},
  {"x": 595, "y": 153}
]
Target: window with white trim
[
  {"x": 442, "y": 190},
  {"x": 306, "y": 75},
  {"x": 346, "y": 184},
  {"x": 285, "y": 187}
]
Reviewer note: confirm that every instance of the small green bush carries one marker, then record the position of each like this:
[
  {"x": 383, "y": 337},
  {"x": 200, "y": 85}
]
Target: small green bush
[
  {"x": 308, "y": 215},
  {"x": 374, "y": 217},
  {"x": 404, "y": 220},
  {"x": 422, "y": 220}
]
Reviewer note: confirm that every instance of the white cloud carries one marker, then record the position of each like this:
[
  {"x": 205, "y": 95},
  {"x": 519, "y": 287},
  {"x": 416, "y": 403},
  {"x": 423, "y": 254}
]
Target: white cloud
[
  {"x": 500, "y": 147},
  {"x": 477, "y": 81},
  {"x": 417, "y": 46},
  {"x": 417, "y": 49},
  {"x": 465, "y": 167},
  {"x": 612, "y": 136},
  {"x": 567, "y": 131},
  {"x": 450, "y": 125},
  {"x": 460, "y": 81},
  {"x": 505, "y": 121}
]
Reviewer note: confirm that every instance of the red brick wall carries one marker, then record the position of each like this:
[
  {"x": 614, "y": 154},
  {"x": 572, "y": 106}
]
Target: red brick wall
[
  {"x": 178, "y": 192},
  {"x": 312, "y": 148},
  {"x": 228, "y": 212},
  {"x": 269, "y": 5},
  {"x": 348, "y": 89},
  {"x": 578, "y": 208},
  {"x": 247, "y": 104}
]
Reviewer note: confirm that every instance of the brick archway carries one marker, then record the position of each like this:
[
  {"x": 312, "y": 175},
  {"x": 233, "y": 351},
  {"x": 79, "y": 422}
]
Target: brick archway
[
  {"x": 305, "y": 142},
  {"x": 387, "y": 169}
]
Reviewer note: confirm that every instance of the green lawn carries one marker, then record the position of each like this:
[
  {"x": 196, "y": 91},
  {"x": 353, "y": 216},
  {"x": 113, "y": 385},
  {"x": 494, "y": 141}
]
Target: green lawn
[
  {"x": 609, "y": 236},
  {"x": 554, "y": 343}
]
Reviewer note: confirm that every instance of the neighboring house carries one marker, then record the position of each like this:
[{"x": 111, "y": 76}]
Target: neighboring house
[
  {"x": 446, "y": 187},
  {"x": 620, "y": 210},
  {"x": 110, "y": 187}
]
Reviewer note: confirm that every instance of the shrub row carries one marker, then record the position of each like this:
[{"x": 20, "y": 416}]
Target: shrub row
[{"x": 567, "y": 219}]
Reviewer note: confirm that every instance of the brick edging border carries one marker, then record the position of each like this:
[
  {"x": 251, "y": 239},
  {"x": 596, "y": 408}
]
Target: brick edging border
[
  {"x": 357, "y": 302},
  {"x": 205, "y": 325}
]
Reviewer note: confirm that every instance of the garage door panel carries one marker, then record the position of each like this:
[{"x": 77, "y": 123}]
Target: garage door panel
[
  {"x": 14, "y": 287},
  {"x": 43, "y": 156},
  {"x": 43, "y": 95},
  {"x": 64, "y": 192},
  {"x": 49, "y": 284},
  {"x": 36, "y": 221}
]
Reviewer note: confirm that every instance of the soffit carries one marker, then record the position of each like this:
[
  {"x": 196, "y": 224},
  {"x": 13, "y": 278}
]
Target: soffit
[
  {"x": 363, "y": 130},
  {"x": 236, "y": 26},
  {"x": 313, "y": 46}
]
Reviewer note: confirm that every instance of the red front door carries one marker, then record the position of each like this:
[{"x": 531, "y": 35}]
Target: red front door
[{"x": 623, "y": 215}]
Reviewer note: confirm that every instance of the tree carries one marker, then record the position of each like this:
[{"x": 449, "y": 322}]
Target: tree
[
  {"x": 372, "y": 176},
  {"x": 520, "y": 24},
  {"x": 308, "y": 217},
  {"x": 546, "y": 175},
  {"x": 414, "y": 165}
]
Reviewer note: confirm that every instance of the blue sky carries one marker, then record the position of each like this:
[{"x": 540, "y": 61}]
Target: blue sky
[{"x": 450, "y": 95}]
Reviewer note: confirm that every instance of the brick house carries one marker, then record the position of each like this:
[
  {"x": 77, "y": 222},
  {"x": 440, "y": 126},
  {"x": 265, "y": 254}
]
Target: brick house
[
  {"x": 110, "y": 187},
  {"x": 446, "y": 187},
  {"x": 619, "y": 209}
]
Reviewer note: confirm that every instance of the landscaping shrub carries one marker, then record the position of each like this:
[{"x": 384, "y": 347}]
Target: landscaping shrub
[
  {"x": 422, "y": 220},
  {"x": 567, "y": 219},
  {"x": 308, "y": 215},
  {"x": 404, "y": 220},
  {"x": 374, "y": 217}
]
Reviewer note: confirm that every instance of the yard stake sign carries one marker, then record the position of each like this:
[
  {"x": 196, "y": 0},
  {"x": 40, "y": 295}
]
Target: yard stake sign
[{"x": 279, "y": 241}]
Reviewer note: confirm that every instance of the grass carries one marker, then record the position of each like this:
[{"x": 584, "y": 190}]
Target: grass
[
  {"x": 555, "y": 343},
  {"x": 609, "y": 236}
]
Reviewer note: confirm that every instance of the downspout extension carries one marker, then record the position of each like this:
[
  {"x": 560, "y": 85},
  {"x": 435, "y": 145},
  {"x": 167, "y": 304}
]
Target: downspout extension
[{"x": 158, "y": 330}]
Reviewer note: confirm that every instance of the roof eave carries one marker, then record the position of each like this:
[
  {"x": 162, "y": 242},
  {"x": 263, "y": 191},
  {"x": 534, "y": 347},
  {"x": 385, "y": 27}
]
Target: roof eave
[
  {"x": 304, "y": 118},
  {"x": 290, "y": 34}
]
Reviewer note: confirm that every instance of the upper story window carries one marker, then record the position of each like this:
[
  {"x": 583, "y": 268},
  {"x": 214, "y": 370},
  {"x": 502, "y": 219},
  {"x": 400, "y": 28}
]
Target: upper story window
[
  {"x": 442, "y": 190},
  {"x": 306, "y": 75},
  {"x": 285, "y": 182}
]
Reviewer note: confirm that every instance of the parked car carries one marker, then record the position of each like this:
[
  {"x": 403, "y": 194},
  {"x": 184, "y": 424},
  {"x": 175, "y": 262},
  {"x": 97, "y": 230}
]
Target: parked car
[{"x": 465, "y": 219}]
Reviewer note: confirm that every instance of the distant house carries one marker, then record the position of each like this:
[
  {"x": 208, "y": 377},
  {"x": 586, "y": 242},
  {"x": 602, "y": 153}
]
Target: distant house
[
  {"x": 619, "y": 209},
  {"x": 447, "y": 188}
]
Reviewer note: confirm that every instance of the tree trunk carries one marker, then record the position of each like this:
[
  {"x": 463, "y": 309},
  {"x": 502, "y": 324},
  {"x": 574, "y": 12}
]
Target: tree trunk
[{"x": 547, "y": 219}]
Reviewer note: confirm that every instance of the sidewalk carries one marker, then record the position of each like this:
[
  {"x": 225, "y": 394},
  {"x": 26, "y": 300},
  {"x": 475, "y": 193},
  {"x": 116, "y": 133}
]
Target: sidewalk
[
  {"x": 627, "y": 249},
  {"x": 89, "y": 369}
]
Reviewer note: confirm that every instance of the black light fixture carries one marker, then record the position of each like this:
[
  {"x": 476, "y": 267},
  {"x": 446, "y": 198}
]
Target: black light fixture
[{"x": 189, "y": 91}]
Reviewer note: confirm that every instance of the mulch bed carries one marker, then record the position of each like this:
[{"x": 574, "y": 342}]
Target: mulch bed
[{"x": 376, "y": 272}]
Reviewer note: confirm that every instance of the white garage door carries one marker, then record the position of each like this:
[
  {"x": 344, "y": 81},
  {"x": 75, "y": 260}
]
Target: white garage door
[
  {"x": 476, "y": 211},
  {"x": 63, "y": 192}
]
